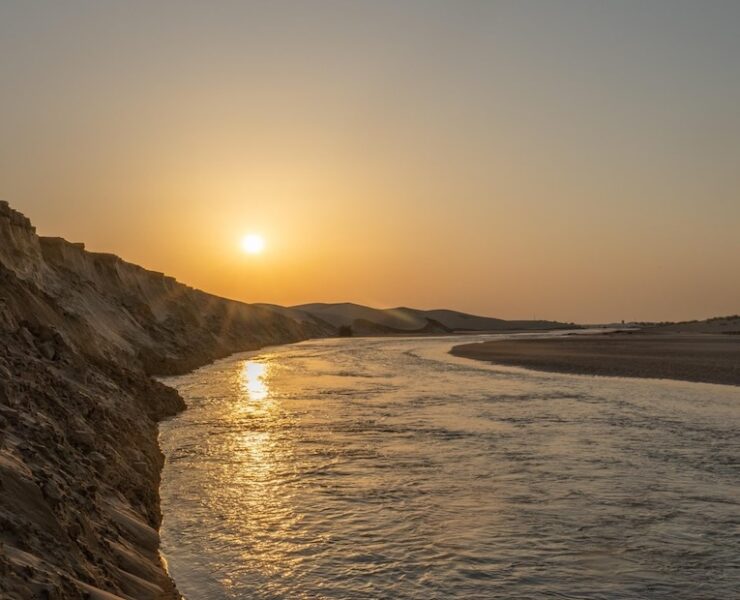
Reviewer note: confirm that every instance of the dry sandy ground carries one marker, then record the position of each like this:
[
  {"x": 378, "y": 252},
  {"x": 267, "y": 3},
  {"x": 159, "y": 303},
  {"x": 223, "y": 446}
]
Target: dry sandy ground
[{"x": 689, "y": 357}]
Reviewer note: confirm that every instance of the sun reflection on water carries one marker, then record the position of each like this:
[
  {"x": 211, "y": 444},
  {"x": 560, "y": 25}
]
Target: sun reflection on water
[
  {"x": 250, "y": 490},
  {"x": 254, "y": 381}
]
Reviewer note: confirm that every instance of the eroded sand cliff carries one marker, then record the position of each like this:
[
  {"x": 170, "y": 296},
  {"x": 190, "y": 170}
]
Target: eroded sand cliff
[{"x": 81, "y": 334}]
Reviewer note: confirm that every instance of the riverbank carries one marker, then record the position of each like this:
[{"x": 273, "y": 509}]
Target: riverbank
[
  {"x": 706, "y": 358},
  {"x": 81, "y": 335}
]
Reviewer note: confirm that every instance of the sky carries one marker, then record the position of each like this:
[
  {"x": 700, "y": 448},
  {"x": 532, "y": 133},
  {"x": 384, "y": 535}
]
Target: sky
[{"x": 576, "y": 160}]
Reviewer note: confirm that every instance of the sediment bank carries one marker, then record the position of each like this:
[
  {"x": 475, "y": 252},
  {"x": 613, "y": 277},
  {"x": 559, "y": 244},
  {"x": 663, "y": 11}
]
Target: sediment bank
[{"x": 707, "y": 358}]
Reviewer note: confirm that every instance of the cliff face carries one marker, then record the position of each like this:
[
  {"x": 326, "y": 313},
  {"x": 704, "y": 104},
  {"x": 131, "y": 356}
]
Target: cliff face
[{"x": 80, "y": 335}]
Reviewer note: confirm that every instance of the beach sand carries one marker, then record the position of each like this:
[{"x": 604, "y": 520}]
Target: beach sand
[{"x": 689, "y": 357}]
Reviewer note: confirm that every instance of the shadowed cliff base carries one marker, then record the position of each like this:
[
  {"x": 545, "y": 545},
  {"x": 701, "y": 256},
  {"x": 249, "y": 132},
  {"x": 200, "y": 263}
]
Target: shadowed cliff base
[{"x": 707, "y": 358}]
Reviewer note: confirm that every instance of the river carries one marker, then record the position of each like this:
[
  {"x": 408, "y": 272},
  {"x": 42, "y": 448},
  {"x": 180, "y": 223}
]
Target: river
[{"x": 387, "y": 468}]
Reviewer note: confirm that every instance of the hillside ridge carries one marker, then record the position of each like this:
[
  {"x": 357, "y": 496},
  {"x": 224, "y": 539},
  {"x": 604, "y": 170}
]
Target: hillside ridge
[{"x": 403, "y": 318}]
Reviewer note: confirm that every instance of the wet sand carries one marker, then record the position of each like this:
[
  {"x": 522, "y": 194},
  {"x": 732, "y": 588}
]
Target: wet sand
[{"x": 688, "y": 357}]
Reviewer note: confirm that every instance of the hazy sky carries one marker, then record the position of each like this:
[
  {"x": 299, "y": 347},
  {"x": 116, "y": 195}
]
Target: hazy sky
[{"x": 573, "y": 160}]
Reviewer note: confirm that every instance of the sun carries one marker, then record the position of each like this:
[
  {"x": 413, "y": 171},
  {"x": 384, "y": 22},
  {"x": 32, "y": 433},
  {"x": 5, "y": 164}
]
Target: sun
[{"x": 253, "y": 243}]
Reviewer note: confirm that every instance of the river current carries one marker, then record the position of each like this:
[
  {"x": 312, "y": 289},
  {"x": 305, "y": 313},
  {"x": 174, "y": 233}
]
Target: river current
[{"x": 387, "y": 468}]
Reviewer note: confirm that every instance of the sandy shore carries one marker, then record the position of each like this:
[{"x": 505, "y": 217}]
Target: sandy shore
[{"x": 688, "y": 357}]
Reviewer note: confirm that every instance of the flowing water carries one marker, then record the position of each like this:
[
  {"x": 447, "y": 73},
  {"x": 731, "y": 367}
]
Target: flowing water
[{"x": 386, "y": 468}]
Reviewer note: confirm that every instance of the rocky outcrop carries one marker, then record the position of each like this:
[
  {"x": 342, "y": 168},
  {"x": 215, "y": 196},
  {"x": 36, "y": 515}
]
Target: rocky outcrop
[{"x": 81, "y": 333}]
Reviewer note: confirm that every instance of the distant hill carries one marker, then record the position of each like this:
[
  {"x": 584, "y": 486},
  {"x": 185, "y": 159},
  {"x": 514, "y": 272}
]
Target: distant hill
[
  {"x": 346, "y": 313},
  {"x": 729, "y": 325},
  {"x": 301, "y": 316},
  {"x": 377, "y": 321},
  {"x": 365, "y": 327}
]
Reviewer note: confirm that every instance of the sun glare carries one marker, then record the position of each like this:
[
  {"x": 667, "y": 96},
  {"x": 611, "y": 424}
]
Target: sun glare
[{"x": 253, "y": 243}]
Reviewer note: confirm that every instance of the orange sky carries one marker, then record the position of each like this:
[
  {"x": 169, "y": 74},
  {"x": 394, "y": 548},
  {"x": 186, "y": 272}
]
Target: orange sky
[{"x": 563, "y": 160}]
